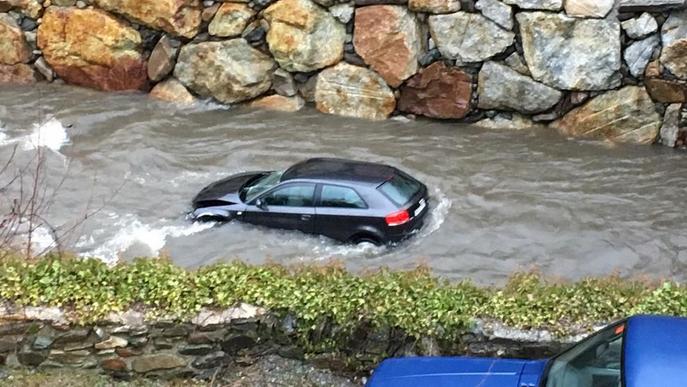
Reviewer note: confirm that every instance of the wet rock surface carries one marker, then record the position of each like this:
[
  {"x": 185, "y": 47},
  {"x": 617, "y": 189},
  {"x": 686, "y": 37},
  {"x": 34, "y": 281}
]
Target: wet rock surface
[
  {"x": 177, "y": 17},
  {"x": 353, "y": 91},
  {"x": 468, "y": 37},
  {"x": 569, "y": 53},
  {"x": 387, "y": 37},
  {"x": 303, "y": 36},
  {"x": 229, "y": 71},
  {"x": 439, "y": 91},
  {"x": 625, "y": 115},
  {"x": 91, "y": 48}
]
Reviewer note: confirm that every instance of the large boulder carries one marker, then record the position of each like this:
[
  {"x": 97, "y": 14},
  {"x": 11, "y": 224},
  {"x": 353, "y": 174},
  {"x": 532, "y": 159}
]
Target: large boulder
[
  {"x": 303, "y": 36},
  {"x": 625, "y": 115},
  {"x": 177, "y": 17},
  {"x": 674, "y": 36},
  {"x": 353, "y": 91},
  {"x": 468, "y": 37},
  {"x": 88, "y": 47},
  {"x": 434, "y": 6},
  {"x": 18, "y": 74},
  {"x": 549, "y": 5},
  {"x": 437, "y": 91},
  {"x": 230, "y": 20},
  {"x": 387, "y": 37},
  {"x": 502, "y": 88},
  {"x": 13, "y": 46},
  {"x": 570, "y": 53},
  {"x": 229, "y": 71}
]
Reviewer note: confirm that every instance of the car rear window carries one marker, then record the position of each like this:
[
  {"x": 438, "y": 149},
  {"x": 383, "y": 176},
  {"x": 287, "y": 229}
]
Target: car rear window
[{"x": 400, "y": 189}]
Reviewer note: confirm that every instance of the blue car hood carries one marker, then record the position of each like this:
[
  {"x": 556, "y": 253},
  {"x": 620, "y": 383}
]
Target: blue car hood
[{"x": 456, "y": 372}]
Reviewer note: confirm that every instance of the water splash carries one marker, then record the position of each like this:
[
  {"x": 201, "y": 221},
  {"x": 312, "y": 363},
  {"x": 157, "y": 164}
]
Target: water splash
[
  {"x": 50, "y": 134},
  {"x": 136, "y": 237}
]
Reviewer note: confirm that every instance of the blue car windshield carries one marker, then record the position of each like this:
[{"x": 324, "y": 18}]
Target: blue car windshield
[
  {"x": 252, "y": 190},
  {"x": 595, "y": 362}
]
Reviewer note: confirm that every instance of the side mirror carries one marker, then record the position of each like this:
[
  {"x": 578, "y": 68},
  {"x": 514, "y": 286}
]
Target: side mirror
[{"x": 261, "y": 204}]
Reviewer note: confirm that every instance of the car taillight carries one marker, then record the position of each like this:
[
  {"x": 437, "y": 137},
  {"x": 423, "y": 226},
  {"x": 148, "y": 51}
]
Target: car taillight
[{"x": 397, "y": 218}]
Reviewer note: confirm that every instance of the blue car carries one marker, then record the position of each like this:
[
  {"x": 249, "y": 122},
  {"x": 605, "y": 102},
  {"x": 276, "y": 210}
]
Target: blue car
[{"x": 642, "y": 351}]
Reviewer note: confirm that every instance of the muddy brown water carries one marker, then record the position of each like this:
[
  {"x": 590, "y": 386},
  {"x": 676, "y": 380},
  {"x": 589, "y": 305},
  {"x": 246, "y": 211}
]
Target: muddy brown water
[{"x": 503, "y": 201}]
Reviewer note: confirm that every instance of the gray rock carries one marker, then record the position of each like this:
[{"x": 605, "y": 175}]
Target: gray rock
[
  {"x": 343, "y": 12},
  {"x": 157, "y": 362},
  {"x": 44, "y": 68},
  {"x": 516, "y": 62},
  {"x": 640, "y": 27},
  {"x": 508, "y": 122},
  {"x": 670, "y": 127},
  {"x": 230, "y": 71},
  {"x": 674, "y": 37},
  {"x": 434, "y": 6},
  {"x": 649, "y": 5},
  {"x": 549, "y": 5},
  {"x": 569, "y": 53},
  {"x": 112, "y": 342},
  {"x": 639, "y": 53},
  {"x": 502, "y": 88},
  {"x": 161, "y": 61},
  {"x": 468, "y": 37},
  {"x": 497, "y": 12},
  {"x": 283, "y": 84}
]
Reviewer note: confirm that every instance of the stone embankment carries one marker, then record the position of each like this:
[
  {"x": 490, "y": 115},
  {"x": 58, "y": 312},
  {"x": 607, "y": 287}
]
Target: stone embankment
[
  {"x": 609, "y": 69},
  {"x": 127, "y": 345}
]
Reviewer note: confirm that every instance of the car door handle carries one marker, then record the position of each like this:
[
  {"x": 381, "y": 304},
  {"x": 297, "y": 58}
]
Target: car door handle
[{"x": 306, "y": 217}]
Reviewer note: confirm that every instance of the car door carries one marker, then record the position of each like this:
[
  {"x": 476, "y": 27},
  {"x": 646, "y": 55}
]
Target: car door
[
  {"x": 340, "y": 211},
  {"x": 289, "y": 207}
]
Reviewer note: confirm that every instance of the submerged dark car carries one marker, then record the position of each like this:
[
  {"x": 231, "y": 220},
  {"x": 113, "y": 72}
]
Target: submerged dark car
[{"x": 350, "y": 201}]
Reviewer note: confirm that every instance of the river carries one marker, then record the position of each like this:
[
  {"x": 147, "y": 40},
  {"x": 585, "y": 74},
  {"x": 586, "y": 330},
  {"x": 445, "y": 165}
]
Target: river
[{"x": 502, "y": 201}]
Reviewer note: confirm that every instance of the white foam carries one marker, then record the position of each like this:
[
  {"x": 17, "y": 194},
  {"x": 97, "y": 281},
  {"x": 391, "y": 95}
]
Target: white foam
[
  {"x": 42, "y": 240},
  {"x": 49, "y": 134},
  {"x": 134, "y": 232}
]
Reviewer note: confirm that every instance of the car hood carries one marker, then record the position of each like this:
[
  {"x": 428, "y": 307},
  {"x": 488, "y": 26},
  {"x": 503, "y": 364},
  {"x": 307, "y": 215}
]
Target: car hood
[
  {"x": 228, "y": 186},
  {"x": 456, "y": 372}
]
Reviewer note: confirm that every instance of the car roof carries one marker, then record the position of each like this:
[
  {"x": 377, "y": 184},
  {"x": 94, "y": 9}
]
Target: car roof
[
  {"x": 331, "y": 169},
  {"x": 656, "y": 351}
]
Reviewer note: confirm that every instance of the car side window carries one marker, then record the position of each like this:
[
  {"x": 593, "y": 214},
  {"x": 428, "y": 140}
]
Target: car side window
[
  {"x": 294, "y": 195},
  {"x": 340, "y": 197},
  {"x": 596, "y": 362}
]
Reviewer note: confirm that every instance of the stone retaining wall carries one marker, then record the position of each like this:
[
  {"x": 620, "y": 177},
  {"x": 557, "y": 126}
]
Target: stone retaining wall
[
  {"x": 126, "y": 345},
  {"x": 610, "y": 69}
]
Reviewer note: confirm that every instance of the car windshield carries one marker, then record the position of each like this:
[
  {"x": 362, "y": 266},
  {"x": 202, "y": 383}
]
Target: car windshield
[
  {"x": 400, "y": 189},
  {"x": 253, "y": 189},
  {"x": 596, "y": 362}
]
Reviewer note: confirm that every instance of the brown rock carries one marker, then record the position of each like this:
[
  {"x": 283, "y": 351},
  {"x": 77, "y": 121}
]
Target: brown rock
[
  {"x": 434, "y": 6},
  {"x": 161, "y": 61},
  {"x": 156, "y": 362},
  {"x": 177, "y": 17},
  {"x": 624, "y": 115},
  {"x": 112, "y": 342},
  {"x": 113, "y": 364},
  {"x": 387, "y": 37},
  {"x": 653, "y": 70},
  {"x": 13, "y": 46},
  {"x": 279, "y": 103},
  {"x": 88, "y": 47},
  {"x": 666, "y": 91},
  {"x": 438, "y": 91},
  {"x": 19, "y": 74},
  {"x": 172, "y": 90},
  {"x": 209, "y": 12},
  {"x": 230, "y": 20}
]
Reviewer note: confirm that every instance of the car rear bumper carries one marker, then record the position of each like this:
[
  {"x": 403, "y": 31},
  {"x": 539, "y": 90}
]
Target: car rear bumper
[{"x": 395, "y": 234}]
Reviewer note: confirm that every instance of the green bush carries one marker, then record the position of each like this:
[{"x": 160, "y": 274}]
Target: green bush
[{"x": 414, "y": 301}]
